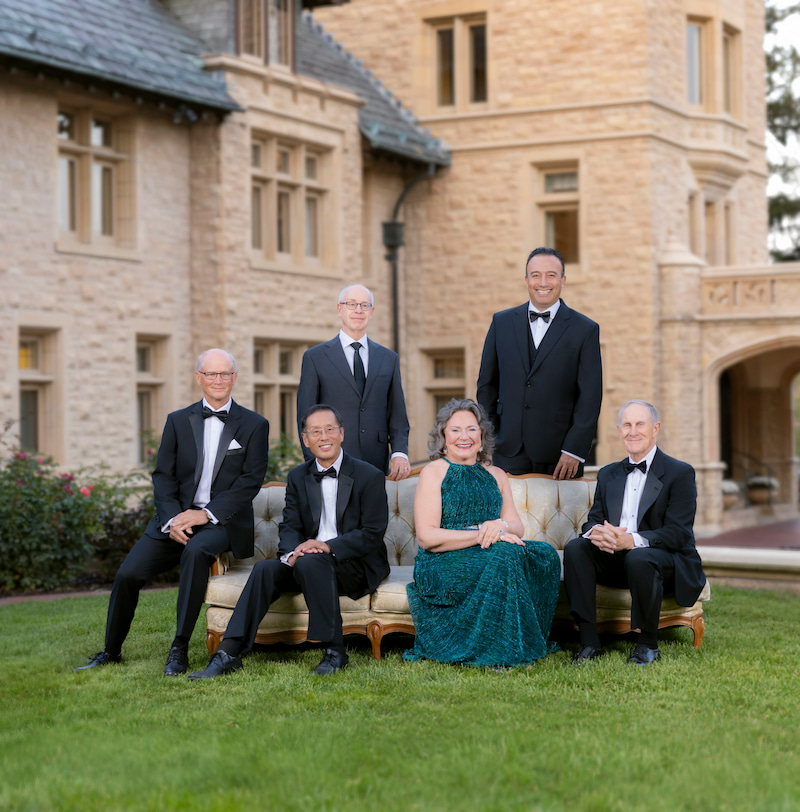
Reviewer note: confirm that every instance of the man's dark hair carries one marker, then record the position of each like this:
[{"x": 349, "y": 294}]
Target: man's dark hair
[
  {"x": 319, "y": 407},
  {"x": 548, "y": 252}
]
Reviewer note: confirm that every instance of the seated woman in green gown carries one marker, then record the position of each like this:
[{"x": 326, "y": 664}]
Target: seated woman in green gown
[{"x": 481, "y": 595}]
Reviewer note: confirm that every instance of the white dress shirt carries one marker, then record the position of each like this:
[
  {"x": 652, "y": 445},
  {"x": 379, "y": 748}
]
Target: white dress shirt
[
  {"x": 634, "y": 485},
  {"x": 540, "y": 326},
  {"x": 350, "y": 353}
]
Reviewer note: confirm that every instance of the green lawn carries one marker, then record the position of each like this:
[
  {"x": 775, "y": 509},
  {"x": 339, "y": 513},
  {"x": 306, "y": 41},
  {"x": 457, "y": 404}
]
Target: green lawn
[{"x": 715, "y": 729}]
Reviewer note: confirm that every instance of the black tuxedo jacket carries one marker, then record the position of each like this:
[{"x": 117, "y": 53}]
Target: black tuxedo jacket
[
  {"x": 552, "y": 406},
  {"x": 362, "y": 514},
  {"x": 238, "y": 472},
  {"x": 666, "y": 516},
  {"x": 371, "y": 422}
]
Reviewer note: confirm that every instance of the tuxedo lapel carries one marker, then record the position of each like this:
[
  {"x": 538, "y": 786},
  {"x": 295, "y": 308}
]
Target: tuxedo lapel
[
  {"x": 314, "y": 497},
  {"x": 229, "y": 429},
  {"x": 196, "y": 423},
  {"x": 377, "y": 358},
  {"x": 652, "y": 486},
  {"x": 553, "y": 334},
  {"x": 522, "y": 336},
  {"x": 615, "y": 493},
  {"x": 335, "y": 353},
  {"x": 343, "y": 493}
]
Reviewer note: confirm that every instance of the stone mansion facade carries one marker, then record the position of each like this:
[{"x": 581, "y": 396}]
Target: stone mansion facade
[{"x": 219, "y": 174}]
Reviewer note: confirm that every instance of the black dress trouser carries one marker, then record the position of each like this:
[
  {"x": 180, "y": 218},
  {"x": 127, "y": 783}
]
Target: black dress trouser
[
  {"x": 648, "y": 572},
  {"x": 318, "y": 576},
  {"x": 149, "y": 558}
]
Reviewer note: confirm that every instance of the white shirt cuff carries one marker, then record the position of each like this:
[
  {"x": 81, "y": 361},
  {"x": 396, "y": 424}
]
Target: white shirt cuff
[
  {"x": 640, "y": 541},
  {"x": 400, "y": 454},
  {"x": 574, "y": 456}
]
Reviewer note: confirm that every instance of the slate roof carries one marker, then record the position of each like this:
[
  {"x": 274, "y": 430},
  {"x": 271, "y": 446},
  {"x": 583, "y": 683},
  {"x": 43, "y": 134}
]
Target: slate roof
[
  {"x": 135, "y": 44},
  {"x": 383, "y": 120}
]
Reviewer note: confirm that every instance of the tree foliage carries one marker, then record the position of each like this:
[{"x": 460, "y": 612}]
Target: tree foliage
[{"x": 783, "y": 121}]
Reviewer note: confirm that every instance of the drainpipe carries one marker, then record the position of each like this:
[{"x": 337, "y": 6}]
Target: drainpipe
[{"x": 392, "y": 241}]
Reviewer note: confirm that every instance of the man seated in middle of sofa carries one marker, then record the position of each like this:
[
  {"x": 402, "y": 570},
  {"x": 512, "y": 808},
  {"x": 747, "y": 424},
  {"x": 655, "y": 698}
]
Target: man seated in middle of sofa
[{"x": 331, "y": 544}]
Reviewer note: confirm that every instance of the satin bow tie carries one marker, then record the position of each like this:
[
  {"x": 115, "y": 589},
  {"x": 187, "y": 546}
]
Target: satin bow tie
[
  {"x": 222, "y": 415},
  {"x": 632, "y": 466},
  {"x": 534, "y": 315},
  {"x": 320, "y": 475}
]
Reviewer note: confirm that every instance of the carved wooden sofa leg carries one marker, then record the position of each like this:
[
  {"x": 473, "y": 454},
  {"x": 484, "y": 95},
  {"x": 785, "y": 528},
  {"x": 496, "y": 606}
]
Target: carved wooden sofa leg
[
  {"x": 213, "y": 639},
  {"x": 699, "y": 628},
  {"x": 375, "y": 635}
]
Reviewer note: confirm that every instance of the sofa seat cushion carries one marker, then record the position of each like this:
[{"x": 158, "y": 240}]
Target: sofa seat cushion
[
  {"x": 224, "y": 591},
  {"x": 615, "y": 604},
  {"x": 391, "y": 595}
]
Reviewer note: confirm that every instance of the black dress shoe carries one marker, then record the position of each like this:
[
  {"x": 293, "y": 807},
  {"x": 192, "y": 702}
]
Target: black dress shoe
[
  {"x": 177, "y": 662},
  {"x": 101, "y": 658},
  {"x": 587, "y": 652},
  {"x": 644, "y": 655},
  {"x": 220, "y": 664},
  {"x": 332, "y": 662}
]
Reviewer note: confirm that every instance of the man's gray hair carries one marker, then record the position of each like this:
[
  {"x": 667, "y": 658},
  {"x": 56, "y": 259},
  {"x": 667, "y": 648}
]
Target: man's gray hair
[
  {"x": 649, "y": 406},
  {"x": 357, "y": 285},
  {"x": 202, "y": 355}
]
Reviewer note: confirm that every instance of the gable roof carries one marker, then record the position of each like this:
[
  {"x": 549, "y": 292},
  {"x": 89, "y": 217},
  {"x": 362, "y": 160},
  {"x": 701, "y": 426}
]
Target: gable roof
[
  {"x": 383, "y": 120},
  {"x": 132, "y": 44}
]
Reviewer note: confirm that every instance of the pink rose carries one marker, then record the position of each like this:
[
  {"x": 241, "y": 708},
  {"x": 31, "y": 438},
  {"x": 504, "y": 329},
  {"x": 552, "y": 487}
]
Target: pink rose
[{"x": 86, "y": 491}]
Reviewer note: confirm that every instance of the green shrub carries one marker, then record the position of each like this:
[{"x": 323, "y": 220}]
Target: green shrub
[
  {"x": 283, "y": 456},
  {"x": 50, "y": 520}
]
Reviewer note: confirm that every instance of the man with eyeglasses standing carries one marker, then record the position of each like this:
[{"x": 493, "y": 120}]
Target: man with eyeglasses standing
[
  {"x": 362, "y": 380},
  {"x": 331, "y": 544},
  {"x": 211, "y": 464}
]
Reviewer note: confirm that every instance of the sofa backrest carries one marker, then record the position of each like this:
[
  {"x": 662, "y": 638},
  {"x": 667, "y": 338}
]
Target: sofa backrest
[{"x": 551, "y": 511}]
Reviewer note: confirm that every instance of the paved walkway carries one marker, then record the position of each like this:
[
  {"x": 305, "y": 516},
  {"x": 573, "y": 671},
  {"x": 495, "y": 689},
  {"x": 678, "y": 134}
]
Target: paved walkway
[{"x": 778, "y": 536}]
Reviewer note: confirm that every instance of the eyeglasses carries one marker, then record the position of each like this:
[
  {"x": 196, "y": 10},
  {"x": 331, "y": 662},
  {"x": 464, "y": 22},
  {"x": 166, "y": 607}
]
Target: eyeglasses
[
  {"x": 365, "y": 306},
  {"x": 315, "y": 434},
  {"x": 223, "y": 376}
]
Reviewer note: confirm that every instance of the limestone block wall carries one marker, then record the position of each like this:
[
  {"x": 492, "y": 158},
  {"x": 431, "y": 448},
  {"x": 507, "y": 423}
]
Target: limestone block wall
[{"x": 90, "y": 302}]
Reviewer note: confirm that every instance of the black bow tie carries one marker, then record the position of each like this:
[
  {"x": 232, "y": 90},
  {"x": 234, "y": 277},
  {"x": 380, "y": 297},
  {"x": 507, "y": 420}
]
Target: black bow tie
[
  {"x": 632, "y": 466},
  {"x": 222, "y": 415},
  {"x": 320, "y": 475},
  {"x": 534, "y": 315}
]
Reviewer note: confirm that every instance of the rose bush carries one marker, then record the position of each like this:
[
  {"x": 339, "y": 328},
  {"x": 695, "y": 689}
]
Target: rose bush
[{"x": 52, "y": 521}]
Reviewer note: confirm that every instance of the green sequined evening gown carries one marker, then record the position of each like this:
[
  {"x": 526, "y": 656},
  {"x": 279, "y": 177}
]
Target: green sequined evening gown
[{"x": 484, "y": 607}]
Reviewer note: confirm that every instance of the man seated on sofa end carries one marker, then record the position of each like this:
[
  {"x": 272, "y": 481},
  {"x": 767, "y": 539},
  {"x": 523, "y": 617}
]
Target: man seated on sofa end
[
  {"x": 638, "y": 536},
  {"x": 331, "y": 544}
]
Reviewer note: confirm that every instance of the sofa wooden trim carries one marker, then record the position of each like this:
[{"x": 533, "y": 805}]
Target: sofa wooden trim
[{"x": 374, "y": 631}]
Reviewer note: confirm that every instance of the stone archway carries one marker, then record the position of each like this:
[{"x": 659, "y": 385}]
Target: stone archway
[{"x": 749, "y": 420}]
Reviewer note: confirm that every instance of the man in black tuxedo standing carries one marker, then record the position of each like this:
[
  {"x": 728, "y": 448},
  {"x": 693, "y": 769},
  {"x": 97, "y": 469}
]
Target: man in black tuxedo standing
[
  {"x": 331, "y": 544},
  {"x": 361, "y": 379},
  {"x": 211, "y": 464},
  {"x": 638, "y": 536},
  {"x": 540, "y": 380}
]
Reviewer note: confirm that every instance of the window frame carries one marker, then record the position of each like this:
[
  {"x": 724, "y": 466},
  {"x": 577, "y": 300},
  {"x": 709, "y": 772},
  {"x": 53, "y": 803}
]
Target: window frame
[
  {"x": 151, "y": 381},
  {"x": 45, "y": 382},
  {"x": 559, "y": 201},
  {"x": 256, "y": 24},
  {"x": 279, "y": 222},
  {"x": 274, "y": 389},
  {"x": 461, "y": 76},
  {"x": 97, "y": 171},
  {"x": 440, "y": 387}
]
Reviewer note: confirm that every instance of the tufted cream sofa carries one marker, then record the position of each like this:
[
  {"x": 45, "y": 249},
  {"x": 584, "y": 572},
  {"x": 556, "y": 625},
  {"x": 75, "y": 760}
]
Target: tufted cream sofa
[{"x": 551, "y": 511}]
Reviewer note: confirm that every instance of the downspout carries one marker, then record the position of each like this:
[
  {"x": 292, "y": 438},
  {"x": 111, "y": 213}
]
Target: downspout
[{"x": 392, "y": 241}]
